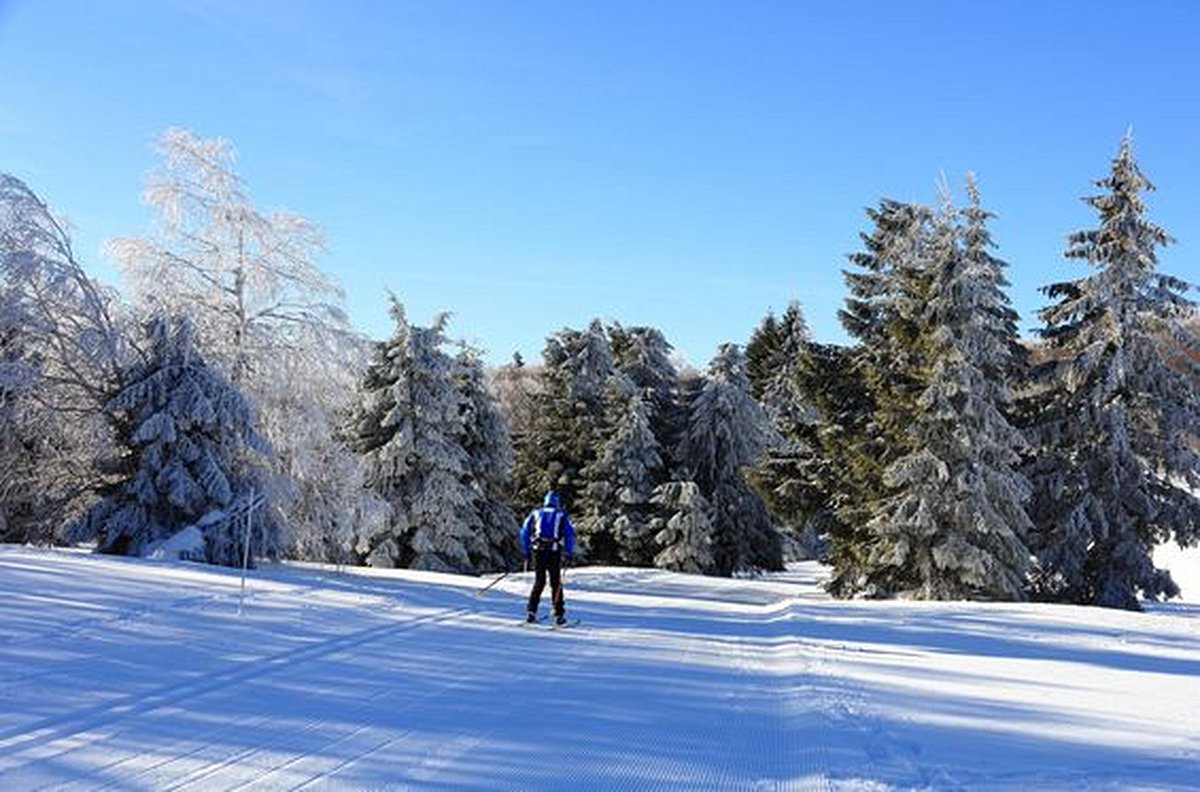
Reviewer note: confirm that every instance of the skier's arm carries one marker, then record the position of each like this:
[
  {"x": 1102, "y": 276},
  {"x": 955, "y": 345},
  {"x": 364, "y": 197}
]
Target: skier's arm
[
  {"x": 526, "y": 530},
  {"x": 568, "y": 535}
]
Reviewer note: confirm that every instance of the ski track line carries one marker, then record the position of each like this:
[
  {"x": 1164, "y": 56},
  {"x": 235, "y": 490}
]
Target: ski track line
[
  {"x": 137, "y": 612},
  {"x": 661, "y": 767},
  {"x": 517, "y": 778},
  {"x": 812, "y": 760},
  {"x": 755, "y": 765},
  {"x": 200, "y": 776},
  {"x": 72, "y": 725},
  {"x": 427, "y": 770},
  {"x": 125, "y": 615},
  {"x": 189, "y": 740},
  {"x": 159, "y": 780},
  {"x": 96, "y": 780},
  {"x": 844, "y": 703},
  {"x": 73, "y": 628},
  {"x": 236, "y": 758},
  {"x": 406, "y": 699}
]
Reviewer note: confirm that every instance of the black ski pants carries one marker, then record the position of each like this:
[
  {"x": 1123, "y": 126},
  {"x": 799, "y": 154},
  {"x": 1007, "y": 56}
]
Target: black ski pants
[{"x": 547, "y": 560}]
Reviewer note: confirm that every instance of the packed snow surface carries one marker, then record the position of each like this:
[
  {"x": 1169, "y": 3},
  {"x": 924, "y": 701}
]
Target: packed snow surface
[{"x": 138, "y": 674}]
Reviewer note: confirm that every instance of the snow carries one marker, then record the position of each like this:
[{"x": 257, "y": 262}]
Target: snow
[
  {"x": 187, "y": 544},
  {"x": 1184, "y": 565},
  {"x": 139, "y": 674}
]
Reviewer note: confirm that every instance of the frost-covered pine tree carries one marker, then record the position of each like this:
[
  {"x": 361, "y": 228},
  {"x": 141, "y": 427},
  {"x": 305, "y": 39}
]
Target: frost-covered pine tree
[
  {"x": 570, "y": 427},
  {"x": 411, "y": 430},
  {"x": 788, "y": 474},
  {"x": 1113, "y": 411},
  {"x": 952, "y": 526},
  {"x": 644, "y": 356},
  {"x": 884, "y": 313},
  {"x": 267, "y": 317},
  {"x": 186, "y": 439},
  {"x": 621, "y": 481},
  {"x": 683, "y": 528},
  {"x": 490, "y": 454},
  {"x": 877, "y": 382},
  {"x": 726, "y": 432}
]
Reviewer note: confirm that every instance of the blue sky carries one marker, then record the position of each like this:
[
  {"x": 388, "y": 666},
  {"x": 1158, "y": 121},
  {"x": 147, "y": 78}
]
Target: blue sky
[{"x": 688, "y": 165}]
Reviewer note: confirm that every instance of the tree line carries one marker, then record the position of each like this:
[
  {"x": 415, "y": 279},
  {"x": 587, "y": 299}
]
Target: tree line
[{"x": 226, "y": 405}]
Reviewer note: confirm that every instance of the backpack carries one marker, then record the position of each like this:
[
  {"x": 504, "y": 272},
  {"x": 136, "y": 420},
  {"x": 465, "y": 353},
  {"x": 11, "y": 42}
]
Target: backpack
[{"x": 547, "y": 529}]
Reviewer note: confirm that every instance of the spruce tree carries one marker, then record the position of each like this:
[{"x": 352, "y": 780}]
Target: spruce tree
[
  {"x": 186, "y": 438},
  {"x": 1112, "y": 411},
  {"x": 411, "y": 431},
  {"x": 880, "y": 379},
  {"x": 683, "y": 528},
  {"x": 643, "y": 355},
  {"x": 570, "y": 427},
  {"x": 788, "y": 476},
  {"x": 726, "y": 432},
  {"x": 490, "y": 460},
  {"x": 843, "y": 472},
  {"x": 621, "y": 481},
  {"x": 953, "y": 523}
]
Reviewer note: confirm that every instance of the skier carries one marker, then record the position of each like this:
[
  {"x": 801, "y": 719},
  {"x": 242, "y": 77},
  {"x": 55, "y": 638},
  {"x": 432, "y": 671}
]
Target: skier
[{"x": 547, "y": 536}]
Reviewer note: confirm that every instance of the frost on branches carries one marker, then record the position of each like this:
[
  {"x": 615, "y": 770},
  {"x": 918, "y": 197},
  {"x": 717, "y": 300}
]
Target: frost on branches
[
  {"x": 789, "y": 475},
  {"x": 61, "y": 350},
  {"x": 187, "y": 437},
  {"x": 684, "y": 528},
  {"x": 268, "y": 318},
  {"x": 416, "y": 428},
  {"x": 1114, "y": 409},
  {"x": 953, "y": 523},
  {"x": 726, "y": 432},
  {"x": 621, "y": 481}
]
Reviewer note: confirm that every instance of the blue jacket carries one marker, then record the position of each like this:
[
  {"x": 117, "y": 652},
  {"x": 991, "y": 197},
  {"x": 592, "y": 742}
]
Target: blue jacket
[{"x": 551, "y": 524}]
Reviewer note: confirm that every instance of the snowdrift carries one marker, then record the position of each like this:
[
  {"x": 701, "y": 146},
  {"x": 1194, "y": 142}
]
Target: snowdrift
[{"x": 137, "y": 674}]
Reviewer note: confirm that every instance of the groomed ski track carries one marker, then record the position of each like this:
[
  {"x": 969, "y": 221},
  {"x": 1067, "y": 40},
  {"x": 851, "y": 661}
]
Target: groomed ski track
[{"x": 123, "y": 674}]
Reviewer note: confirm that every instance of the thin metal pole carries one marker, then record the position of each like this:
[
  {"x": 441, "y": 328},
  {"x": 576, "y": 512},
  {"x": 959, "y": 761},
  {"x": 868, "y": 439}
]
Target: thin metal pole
[{"x": 246, "y": 550}]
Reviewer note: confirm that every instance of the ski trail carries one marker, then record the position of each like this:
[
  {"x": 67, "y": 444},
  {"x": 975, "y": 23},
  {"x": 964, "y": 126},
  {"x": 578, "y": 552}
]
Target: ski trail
[
  {"x": 285, "y": 768},
  {"x": 68, "y": 732},
  {"x": 366, "y": 744}
]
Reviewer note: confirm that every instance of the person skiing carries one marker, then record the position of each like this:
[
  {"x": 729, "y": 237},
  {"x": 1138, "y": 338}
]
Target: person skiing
[{"x": 546, "y": 537}]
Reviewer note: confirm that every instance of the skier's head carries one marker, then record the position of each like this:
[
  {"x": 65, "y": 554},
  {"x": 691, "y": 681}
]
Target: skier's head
[{"x": 551, "y": 499}]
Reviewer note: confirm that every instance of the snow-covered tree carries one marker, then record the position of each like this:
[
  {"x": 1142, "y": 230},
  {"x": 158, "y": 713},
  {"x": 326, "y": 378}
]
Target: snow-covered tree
[
  {"x": 64, "y": 344},
  {"x": 570, "y": 428},
  {"x": 1113, "y": 410},
  {"x": 247, "y": 277},
  {"x": 18, "y": 432},
  {"x": 415, "y": 428},
  {"x": 684, "y": 528},
  {"x": 726, "y": 432},
  {"x": 952, "y": 526},
  {"x": 490, "y": 455},
  {"x": 644, "y": 356},
  {"x": 887, "y": 370},
  {"x": 622, "y": 480},
  {"x": 266, "y": 316},
  {"x": 515, "y": 385},
  {"x": 186, "y": 439},
  {"x": 787, "y": 475}
]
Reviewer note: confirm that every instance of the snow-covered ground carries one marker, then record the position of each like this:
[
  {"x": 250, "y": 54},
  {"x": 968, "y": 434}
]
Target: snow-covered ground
[
  {"x": 143, "y": 675},
  {"x": 1184, "y": 566}
]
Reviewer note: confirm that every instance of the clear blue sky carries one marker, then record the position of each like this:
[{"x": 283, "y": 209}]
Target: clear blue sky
[{"x": 689, "y": 165}]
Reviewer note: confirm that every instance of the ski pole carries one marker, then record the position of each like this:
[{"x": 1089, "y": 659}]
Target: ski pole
[{"x": 503, "y": 575}]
